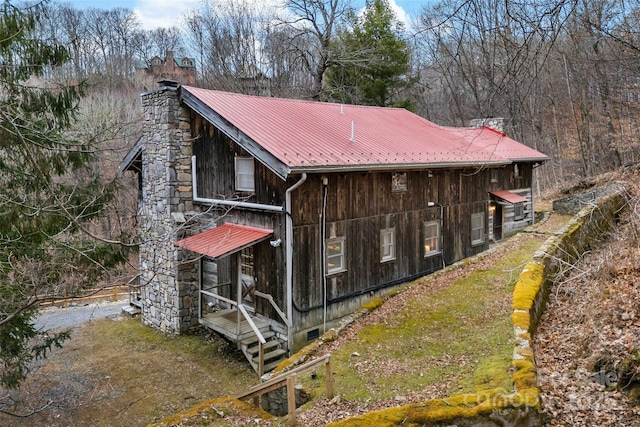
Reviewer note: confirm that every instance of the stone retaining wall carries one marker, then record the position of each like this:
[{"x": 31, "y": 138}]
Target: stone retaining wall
[{"x": 572, "y": 204}]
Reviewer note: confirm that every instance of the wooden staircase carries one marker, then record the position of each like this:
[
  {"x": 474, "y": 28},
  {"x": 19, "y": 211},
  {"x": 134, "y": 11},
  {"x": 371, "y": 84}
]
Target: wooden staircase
[
  {"x": 275, "y": 350},
  {"x": 245, "y": 336}
]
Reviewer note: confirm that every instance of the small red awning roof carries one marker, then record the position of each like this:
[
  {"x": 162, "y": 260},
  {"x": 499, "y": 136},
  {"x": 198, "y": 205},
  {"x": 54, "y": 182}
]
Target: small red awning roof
[
  {"x": 508, "y": 196},
  {"x": 223, "y": 240}
]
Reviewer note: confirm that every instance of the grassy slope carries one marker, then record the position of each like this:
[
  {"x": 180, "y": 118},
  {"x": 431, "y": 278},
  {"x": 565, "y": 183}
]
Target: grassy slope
[{"x": 460, "y": 334}]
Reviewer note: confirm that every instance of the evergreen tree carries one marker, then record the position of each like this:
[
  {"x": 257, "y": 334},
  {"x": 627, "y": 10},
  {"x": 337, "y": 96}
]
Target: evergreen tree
[
  {"x": 372, "y": 59},
  {"x": 50, "y": 193}
]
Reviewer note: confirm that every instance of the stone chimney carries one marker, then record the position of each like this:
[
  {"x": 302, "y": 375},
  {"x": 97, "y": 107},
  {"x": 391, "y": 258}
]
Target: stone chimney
[
  {"x": 495, "y": 123},
  {"x": 169, "y": 282}
]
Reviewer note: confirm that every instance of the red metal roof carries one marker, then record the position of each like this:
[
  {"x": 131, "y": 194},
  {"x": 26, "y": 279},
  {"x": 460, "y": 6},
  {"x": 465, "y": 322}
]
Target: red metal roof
[
  {"x": 499, "y": 144},
  {"x": 224, "y": 240},
  {"x": 508, "y": 196},
  {"x": 307, "y": 135}
]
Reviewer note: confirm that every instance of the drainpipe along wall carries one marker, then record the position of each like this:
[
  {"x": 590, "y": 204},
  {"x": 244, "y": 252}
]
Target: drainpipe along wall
[{"x": 289, "y": 254}]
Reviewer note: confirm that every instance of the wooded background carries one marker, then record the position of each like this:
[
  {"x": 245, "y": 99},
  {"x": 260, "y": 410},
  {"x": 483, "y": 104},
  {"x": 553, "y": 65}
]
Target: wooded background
[{"x": 563, "y": 74}]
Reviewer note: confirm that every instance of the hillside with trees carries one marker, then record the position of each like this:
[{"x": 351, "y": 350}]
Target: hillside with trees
[{"x": 562, "y": 73}]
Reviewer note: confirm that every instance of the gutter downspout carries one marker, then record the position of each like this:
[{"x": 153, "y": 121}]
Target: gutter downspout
[{"x": 289, "y": 256}]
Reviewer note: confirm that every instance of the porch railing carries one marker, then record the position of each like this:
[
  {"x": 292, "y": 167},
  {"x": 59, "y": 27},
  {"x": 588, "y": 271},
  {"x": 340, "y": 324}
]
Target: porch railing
[
  {"x": 275, "y": 306},
  {"x": 243, "y": 311}
]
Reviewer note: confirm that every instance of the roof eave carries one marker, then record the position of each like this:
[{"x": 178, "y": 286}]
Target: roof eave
[
  {"x": 395, "y": 167},
  {"x": 133, "y": 156},
  {"x": 531, "y": 159}
]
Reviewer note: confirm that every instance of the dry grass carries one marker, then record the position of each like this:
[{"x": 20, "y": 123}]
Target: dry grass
[{"x": 125, "y": 374}]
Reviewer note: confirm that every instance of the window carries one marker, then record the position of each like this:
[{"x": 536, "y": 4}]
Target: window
[
  {"x": 494, "y": 175},
  {"x": 399, "y": 181},
  {"x": 335, "y": 255},
  {"x": 516, "y": 172},
  {"x": 518, "y": 211},
  {"x": 477, "y": 228},
  {"x": 387, "y": 244},
  {"x": 244, "y": 174},
  {"x": 431, "y": 238}
]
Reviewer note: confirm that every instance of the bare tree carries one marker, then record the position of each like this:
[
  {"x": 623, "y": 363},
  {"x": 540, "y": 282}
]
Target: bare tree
[
  {"x": 316, "y": 21},
  {"x": 227, "y": 38}
]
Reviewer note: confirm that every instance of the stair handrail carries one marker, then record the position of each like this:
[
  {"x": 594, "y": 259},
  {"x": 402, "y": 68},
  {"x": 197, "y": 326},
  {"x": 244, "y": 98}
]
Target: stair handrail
[
  {"x": 261, "y": 340},
  {"x": 242, "y": 310},
  {"x": 269, "y": 298},
  {"x": 254, "y": 328},
  {"x": 219, "y": 297}
]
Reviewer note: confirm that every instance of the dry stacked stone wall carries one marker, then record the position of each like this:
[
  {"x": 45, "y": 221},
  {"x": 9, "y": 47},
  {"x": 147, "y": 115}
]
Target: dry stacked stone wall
[{"x": 168, "y": 279}]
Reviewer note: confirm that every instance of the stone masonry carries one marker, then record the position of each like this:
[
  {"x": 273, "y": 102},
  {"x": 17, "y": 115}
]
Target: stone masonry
[
  {"x": 495, "y": 123},
  {"x": 169, "y": 282}
]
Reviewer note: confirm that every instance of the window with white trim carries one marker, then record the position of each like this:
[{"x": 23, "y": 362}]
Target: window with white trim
[
  {"x": 477, "y": 228},
  {"x": 245, "y": 174},
  {"x": 335, "y": 260},
  {"x": 518, "y": 211},
  {"x": 431, "y": 238},
  {"x": 494, "y": 175},
  {"x": 387, "y": 244}
]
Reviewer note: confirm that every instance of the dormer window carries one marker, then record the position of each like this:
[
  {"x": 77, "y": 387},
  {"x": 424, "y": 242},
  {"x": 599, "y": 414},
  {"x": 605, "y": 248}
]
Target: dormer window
[{"x": 245, "y": 180}]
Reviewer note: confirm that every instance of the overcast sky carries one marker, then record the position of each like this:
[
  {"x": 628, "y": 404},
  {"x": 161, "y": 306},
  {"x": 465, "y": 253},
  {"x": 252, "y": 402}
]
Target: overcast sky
[{"x": 165, "y": 13}]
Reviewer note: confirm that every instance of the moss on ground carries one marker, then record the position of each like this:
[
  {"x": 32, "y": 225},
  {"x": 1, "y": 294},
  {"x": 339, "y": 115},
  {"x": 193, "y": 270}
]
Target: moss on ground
[{"x": 461, "y": 334}]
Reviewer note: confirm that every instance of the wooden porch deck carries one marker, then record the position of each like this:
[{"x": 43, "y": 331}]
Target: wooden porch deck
[{"x": 225, "y": 323}]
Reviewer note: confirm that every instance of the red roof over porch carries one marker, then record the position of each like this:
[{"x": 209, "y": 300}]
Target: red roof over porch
[
  {"x": 507, "y": 195},
  {"x": 223, "y": 240}
]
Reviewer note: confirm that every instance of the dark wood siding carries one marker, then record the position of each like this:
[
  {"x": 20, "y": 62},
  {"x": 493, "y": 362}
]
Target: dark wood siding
[
  {"x": 359, "y": 206},
  {"x": 215, "y": 168}
]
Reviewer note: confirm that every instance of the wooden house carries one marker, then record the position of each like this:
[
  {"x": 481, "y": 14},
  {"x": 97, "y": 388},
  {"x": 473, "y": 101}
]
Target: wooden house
[{"x": 269, "y": 220}]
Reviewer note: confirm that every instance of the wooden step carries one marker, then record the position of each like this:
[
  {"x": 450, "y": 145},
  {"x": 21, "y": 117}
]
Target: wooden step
[
  {"x": 271, "y": 355},
  {"x": 253, "y": 338},
  {"x": 253, "y": 351}
]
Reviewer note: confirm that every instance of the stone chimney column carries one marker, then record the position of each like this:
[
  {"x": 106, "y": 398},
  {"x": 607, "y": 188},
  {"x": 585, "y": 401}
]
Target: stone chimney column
[
  {"x": 169, "y": 282},
  {"x": 495, "y": 123}
]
